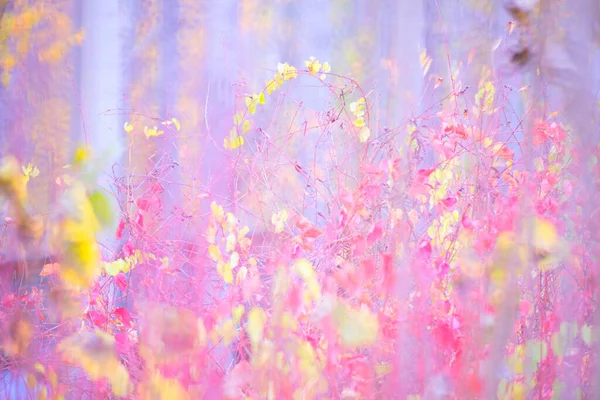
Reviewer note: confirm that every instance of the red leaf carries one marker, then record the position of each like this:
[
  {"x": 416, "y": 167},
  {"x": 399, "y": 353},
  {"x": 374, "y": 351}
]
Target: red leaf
[
  {"x": 424, "y": 251},
  {"x": 300, "y": 222},
  {"x": 423, "y": 174},
  {"x": 143, "y": 204},
  {"x": 312, "y": 233},
  {"x": 347, "y": 200},
  {"x": 449, "y": 201},
  {"x": 157, "y": 188},
  {"x": 97, "y": 318},
  {"x": 140, "y": 220},
  {"x": 443, "y": 269},
  {"x": 122, "y": 342},
  {"x": 294, "y": 299},
  {"x": 120, "y": 229},
  {"x": 123, "y": 315},
  {"x": 9, "y": 300},
  {"x": 368, "y": 266},
  {"x": 128, "y": 249},
  {"x": 506, "y": 153},
  {"x": 375, "y": 234},
  {"x": 371, "y": 169},
  {"x": 50, "y": 269},
  {"x": 371, "y": 191},
  {"x": 359, "y": 245},
  {"x": 466, "y": 222},
  {"x": 445, "y": 336},
  {"x": 389, "y": 276},
  {"x": 121, "y": 281}
]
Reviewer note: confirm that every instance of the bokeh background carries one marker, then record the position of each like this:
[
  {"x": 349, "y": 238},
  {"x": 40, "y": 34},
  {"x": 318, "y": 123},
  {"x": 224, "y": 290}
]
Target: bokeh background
[{"x": 73, "y": 72}]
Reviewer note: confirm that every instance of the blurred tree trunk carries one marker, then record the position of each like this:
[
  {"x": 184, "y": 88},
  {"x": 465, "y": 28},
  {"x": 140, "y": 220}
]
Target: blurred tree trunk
[{"x": 101, "y": 90}]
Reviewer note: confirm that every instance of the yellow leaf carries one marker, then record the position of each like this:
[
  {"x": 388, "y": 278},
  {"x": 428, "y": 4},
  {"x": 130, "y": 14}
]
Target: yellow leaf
[
  {"x": 152, "y": 132},
  {"x": 544, "y": 234},
  {"x": 364, "y": 134},
  {"x": 237, "y": 118},
  {"x": 95, "y": 352},
  {"x": 304, "y": 269},
  {"x": 128, "y": 127},
  {"x": 230, "y": 242},
  {"x": 176, "y": 123},
  {"x": 161, "y": 388},
  {"x": 214, "y": 253},
  {"x": 290, "y": 73},
  {"x": 217, "y": 211},
  {"x": 357, "y": 328},
  {"x": 233, "y": 143},
  {"x": 234, "y": 259},
  {"x": 241, "y": 275},
  {"x": 382, "y": 369},
  {"x": 245, "y": 126},
  {"x": 251, "y": 102},
  {"x": 313, "y": 65},
  {"x": 256, "y": 324},
  {"x": 271, "y": 86},
  {"x": 279, "y": 219},
  {"x": 237, "y": 313},
  {"x": 227, "y": 331},
  {"x": 261, "y": 98},
  {"x": 224, "y": 269},
  {"x": 359, "y": 122}
]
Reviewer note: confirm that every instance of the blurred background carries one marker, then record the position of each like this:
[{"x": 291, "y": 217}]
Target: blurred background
[{"x": 73, "y": 73}]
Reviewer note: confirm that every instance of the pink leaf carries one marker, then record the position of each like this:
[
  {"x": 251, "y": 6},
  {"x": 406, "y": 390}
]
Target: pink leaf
[
  {"x": 122, "y": 342},
  {"x": 371, "y": 169},
  {"x": 157, "y": 188},
  {"x": 121, "y": 281},
  {"x": 312, "y": 233},
  {"x": 359, "y": 246},
  {"x": 375, "y": 234},
  {"x": 143, "y": 204},
  {"x": 449, "y": 201},
  {"x": 347, "y": 200},
  {"x": 120, "y": 229},
  {"x": 442, "y": 266},
  {"x": 389, "y": 276},
  {"x": 368, "y": 266},
  {"x": 236, "y": 380},
  {"x": 140, "y": 220},
  {"x": 424, "y": 251},
  {"x": 123, "y": 315},
  {"x": 97, "y": 318},
  {"x": 423, "y": 174},
  {"x": 128, "y": 249}
]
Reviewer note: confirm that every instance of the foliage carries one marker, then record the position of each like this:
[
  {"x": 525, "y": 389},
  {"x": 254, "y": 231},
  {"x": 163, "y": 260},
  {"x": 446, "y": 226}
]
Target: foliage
[{"x": 422, "y": 259}]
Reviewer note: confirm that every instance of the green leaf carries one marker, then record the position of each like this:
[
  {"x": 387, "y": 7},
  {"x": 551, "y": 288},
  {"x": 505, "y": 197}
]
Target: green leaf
[
  {"x": 101, "y": 207},
  {"x": 586, "y": 334},
  {"x": 558, "y": 389},
  {"x": 559, "y": 344}
]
